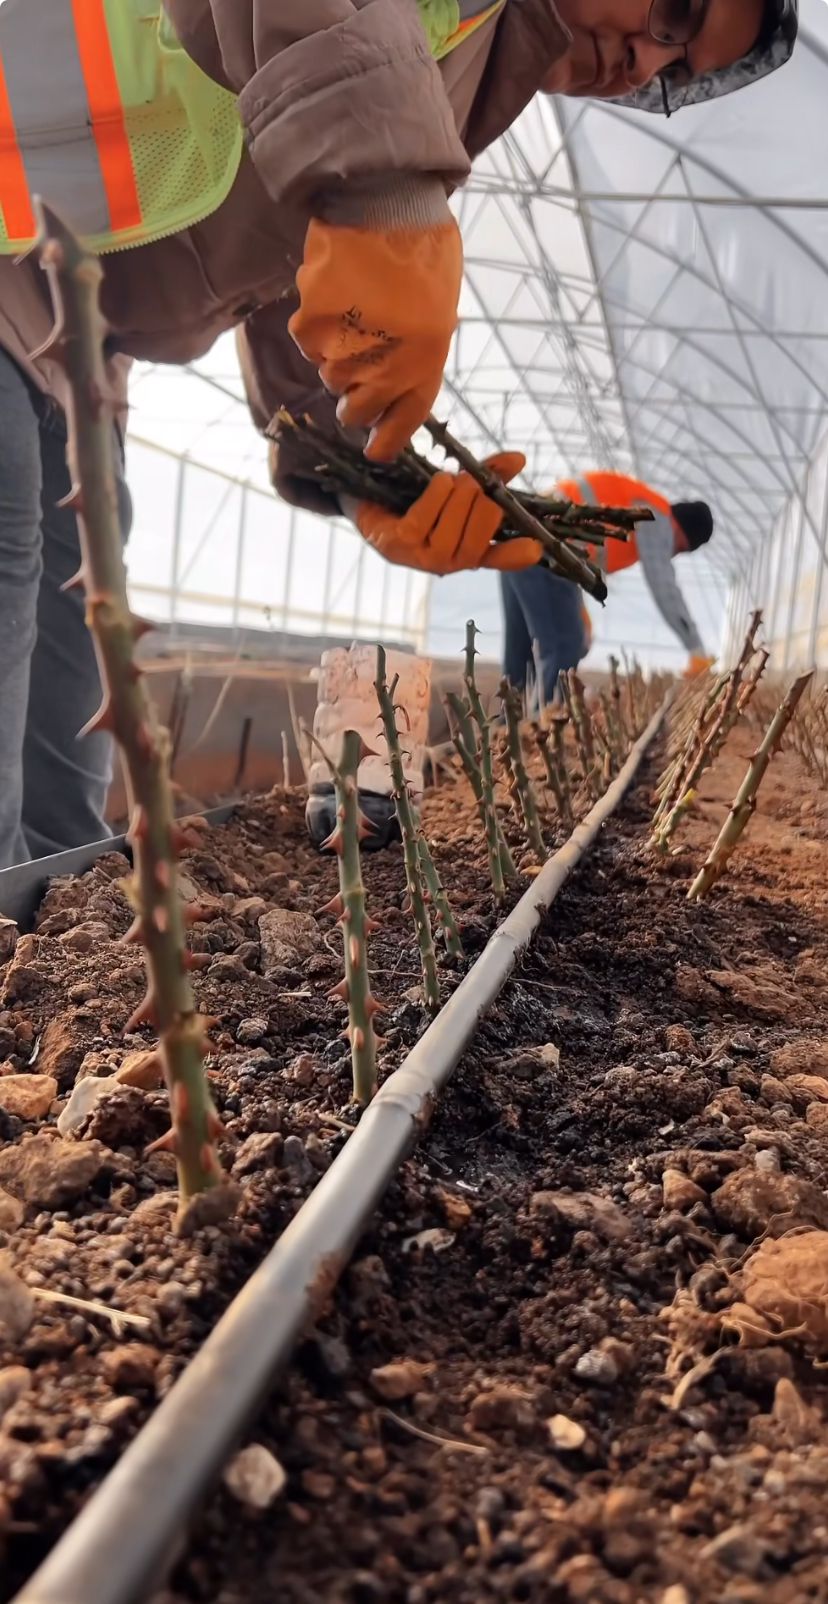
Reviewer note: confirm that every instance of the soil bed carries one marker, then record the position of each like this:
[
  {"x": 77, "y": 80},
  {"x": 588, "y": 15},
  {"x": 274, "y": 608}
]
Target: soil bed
[{"x": 624, "y": 1127}]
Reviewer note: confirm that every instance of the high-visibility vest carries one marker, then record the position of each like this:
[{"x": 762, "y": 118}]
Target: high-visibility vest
[
  {"x": 105, "y": 116},
  {"x": 613, "y": 490}
]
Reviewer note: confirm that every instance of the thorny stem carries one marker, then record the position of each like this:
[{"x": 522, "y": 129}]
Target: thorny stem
[
  {"x": 559, "y": 723},
  {"x": 409, "y": 827},
  {"x": 615, "y": 695},
  {"x": 465, "y": 743},
  {"x": 566, "y": 560},
  {"x": 523, "y": 789},
  {"x": 127, "y": 711},
  {"x": 744, "y": 803},
  {"x": 355, "y": 990},
  {"x": 573, "y": 690},
  {"x": 553, "y": 776},
  {"x": 486, "y": 771}
]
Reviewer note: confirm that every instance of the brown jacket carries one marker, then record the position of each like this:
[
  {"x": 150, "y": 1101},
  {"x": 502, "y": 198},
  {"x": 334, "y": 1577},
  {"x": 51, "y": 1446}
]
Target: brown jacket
[{"x": 337, "y": 97}]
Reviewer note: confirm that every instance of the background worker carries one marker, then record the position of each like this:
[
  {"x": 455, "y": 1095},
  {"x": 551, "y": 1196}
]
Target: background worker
[
  {"x": 546, "y": 625},
  {"x": 281, "y": 167}
]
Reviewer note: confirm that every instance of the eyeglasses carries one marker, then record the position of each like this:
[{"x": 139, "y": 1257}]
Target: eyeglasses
[{"x": 676, "y": 22}]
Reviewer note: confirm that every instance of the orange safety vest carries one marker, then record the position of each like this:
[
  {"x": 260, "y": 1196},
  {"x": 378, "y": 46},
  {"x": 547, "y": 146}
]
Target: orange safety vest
[{"x": 613, "y": 490}]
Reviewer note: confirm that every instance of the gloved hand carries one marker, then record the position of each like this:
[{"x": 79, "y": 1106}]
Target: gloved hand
[
  {"x": 697, "y": 665},
  {"x": 376, "y": 316},
  {"x": 450, "y": 526}
]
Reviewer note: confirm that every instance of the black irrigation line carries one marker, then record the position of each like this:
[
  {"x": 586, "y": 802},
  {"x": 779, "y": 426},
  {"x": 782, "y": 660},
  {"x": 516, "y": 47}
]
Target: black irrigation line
[{"x": 119, "y": 1546}]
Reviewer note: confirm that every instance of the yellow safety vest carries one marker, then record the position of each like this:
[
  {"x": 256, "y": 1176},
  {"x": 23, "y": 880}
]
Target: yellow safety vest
[{"x": 104, "y": 115}]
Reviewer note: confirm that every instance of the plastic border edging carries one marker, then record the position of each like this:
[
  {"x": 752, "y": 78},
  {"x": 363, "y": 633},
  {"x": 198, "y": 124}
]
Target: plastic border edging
[{"x": 119, "y": 1546}]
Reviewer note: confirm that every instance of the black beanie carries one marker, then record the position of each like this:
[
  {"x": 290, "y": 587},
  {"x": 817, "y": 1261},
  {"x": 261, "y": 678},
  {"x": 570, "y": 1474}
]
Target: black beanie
[{"x": 695, "y": 520}]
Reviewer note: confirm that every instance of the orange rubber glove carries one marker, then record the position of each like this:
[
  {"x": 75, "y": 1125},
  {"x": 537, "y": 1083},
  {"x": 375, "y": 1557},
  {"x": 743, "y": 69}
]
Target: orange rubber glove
[
  {"x": 697, "y": 665},
  {"x": 376, "y": 315},
  {"x": 450, "y": 527}
]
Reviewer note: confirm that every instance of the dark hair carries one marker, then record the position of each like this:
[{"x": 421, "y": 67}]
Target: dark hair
[{"x": 695, "y": 520}]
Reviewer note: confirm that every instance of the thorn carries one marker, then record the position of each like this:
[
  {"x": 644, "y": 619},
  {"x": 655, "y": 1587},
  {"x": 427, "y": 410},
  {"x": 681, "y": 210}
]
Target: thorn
[
  {"x": 104, "y": 719},
  {"x": 180, "y": 1102},
  {"x": 192, "y": 821},
  {"x": 197, "y": 960},
  {"x": 372, "y": 1006},
  {"x": 54, "y": 346},
  {"x": 162, "y": 874},
  {"x": 354, "y": 952},
  {"x": 143, "y": 1013},
  {"x": 133, "y": 672},
  {"x": 73, "y": 502},
  {"x": 139, "y": 627},
  {"x": 339, "y": 993},
  {"x": 335, "y": 906},
  {"x": 215, "y": 1127},
  {"x": 370, "y": 925},
  {"x": 379, "y": 1041},
  {"x": 138, "y": 824},
  {"x": 77, "y": 582},
  {"x": 164, "y": 1144},
  {"x": 184, "y": 839},
  {"x": 358, "y": 1038},
  {"x": 135, "y": 934},
  {"x": 345, "y": 918},
  {"x": 333, "y": 842},
  {"x": 364, "y": 827},
  {"x": 207, "y": 1159},
  {"x": 198, "y": 913},
  {"x": 132, "y": 891},
  {"x": 144, "y": 741}
]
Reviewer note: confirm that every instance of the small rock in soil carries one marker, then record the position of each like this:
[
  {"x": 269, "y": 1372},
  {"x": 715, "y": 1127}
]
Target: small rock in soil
[
  {"x": 9, "y": 935},
  {"x": 60, "y": 1052},
  {"x": 295, "y": 1159},
  {"x": 50, "y": 1171},
  {"x": 86, "y": 1094},
  {"x": 738, "y": 1549},
  {"x": 251, "y": 1031},
  {"x": 27, "y": 1096},
  {"x": 678, "y": 1039},
  {"x": 527, "y": 1062},
  {"x": 17, "y": 1305},
  {"x": 287, "y": 938},
  {"x": 15, "y": 1381},
  {"x": 503, "y": 1406},
  {"x": 750, "y": 1203},
  {"x": 597, "y": 1368},
  {"x": 261, "y": 1151},
  {"x": 807, "y": 1089},
  {"x": 784, "y": 1283},
  {"x": 583, "y": 1211},
  {"x": 82, "y": 938},
  {"x": 400, "y": 1379},
  {"x": 130, "y": 1366},
  {"x": 142, "y": 1069},
  {"x": 456, "y": 1210},
  {"x": 255, "y": 1477},
  {"x": 566, "y": 1435},
  {"x": 817, "y": 1115},
  {"x": 680, "y": 1192},
  {"x": 808, "y": 1056}
]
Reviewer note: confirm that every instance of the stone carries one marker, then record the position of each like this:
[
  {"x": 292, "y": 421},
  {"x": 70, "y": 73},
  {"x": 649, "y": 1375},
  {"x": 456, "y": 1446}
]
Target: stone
[
  {"x": 15, "y": 1382},
  {"x": 48, "y": 1171},
  {"x": 597, "y": 1368},
  {"x": 783, "y": 1288},
  {"x": 85, "y": 937},
  {"x": 17, "y": 1304},
  {"x": 680, "y": 1192},
  {"x": 738, "y": 1549},
  {"x": 566, "y": 1435},
  {"x": 503, "y": 1406},
  {"x": 678, "y": 1039},
  {"x": 816, "y": 1115},
  {"x": 86, "y": 1095},
  {"x": 402, "y": 1378},
  {"x": 287, "y": 937},
  {"x": 9, "y": 935},
  {"x": 255, "y": 1477},
  {"x": 130, "y": 1366},
  {"x": 456, "y": 1210},
  {"x": 526, "y": 1063},
  {"x": 251, "y": 1031},
  {"x": 60, "y": 1052},
  {"x": 27, "y": 1096},
  {"x": 752, "y": 1202},
  {"x": 11, "y": 1212},
  {"x": 807, "y": 1089},
  {"x": 142, "y": 1069},
  {"x": 261, "y": 1151},
  {"x": 295, "y": 1159},
  {"x": 774, "y": 1091},
  {"x": 808, "y": 1056},
  {"x": 583, "y": 1211}
]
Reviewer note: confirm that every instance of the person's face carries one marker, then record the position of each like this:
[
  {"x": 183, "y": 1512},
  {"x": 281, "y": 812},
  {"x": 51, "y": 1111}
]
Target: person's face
[{"x": 612, "y": 52}]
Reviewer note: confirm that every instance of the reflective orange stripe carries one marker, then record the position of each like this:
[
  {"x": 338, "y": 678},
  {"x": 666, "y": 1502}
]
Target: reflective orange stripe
[
  {"x": 107, "y": 113},
  {"x": 17, "y": 207}
]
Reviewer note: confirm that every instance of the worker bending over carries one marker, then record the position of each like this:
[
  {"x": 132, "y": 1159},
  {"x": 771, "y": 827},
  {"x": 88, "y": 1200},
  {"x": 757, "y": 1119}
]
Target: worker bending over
[
  {"x": 281, "y": 167},
  {"x": 546, "y": 625}
]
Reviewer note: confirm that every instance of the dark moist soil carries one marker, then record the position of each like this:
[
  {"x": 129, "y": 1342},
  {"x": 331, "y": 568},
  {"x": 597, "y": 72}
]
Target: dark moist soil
[{"x": 520, "y": 1265}]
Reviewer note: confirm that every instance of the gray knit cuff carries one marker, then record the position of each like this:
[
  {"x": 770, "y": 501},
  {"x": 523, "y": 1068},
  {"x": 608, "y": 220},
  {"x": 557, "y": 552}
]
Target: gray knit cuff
[{"x": 383, "y": 205}]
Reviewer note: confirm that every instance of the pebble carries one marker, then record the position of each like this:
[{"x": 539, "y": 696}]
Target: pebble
[
  {"x": 583, "y": 1211},
  {"x": 11, "y": 1212},
  {"x": 255, "y": 1477},
  {"x": 50, "y": 1172},
  {"x": 132, "y": 1365},
  {"x": 751, "y": 1202},
  {"x": 86, "y": 1094},
  {"x": 738, "y": 1549},
  {"x": 27, "y": 1096},
  {"x": 295, "y": 1159},
  {"x": 17, "y": 1305},
  {"x": 679, "y": 1191},
  {"x": 505, "y": 1406},
  {"x": 142, "y": 1069},
  {"x": 15, "y": 1381},
  {"x": 566, "y": 1435},
  {"x": 400, "y": 1379},
  {"x": 251, "y": 1031},
  {"x": 597, "y": 1368},
  {"x": 261, "y": 1151},
  {"x": 287, "y": 937}
]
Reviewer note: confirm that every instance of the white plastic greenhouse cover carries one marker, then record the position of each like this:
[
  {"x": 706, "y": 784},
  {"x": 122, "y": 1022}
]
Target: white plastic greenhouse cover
[{"x": 643, "y": 294}]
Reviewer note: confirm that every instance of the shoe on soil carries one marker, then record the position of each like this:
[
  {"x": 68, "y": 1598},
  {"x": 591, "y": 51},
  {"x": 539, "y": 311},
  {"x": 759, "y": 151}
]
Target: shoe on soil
[{"x": 379, "y": 810}]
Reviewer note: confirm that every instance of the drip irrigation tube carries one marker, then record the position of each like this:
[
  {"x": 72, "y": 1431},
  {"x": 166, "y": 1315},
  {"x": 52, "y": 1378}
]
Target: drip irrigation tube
[{"x": 119, "y": 1546}]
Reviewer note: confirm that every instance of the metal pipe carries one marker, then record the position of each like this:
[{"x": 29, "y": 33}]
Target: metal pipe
[{"x": 117, "y": 1548}]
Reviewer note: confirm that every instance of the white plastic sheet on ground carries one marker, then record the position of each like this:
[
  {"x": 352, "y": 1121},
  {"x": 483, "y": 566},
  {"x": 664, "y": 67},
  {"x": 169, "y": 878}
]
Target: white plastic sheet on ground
[{"x": 640, "y": 294}]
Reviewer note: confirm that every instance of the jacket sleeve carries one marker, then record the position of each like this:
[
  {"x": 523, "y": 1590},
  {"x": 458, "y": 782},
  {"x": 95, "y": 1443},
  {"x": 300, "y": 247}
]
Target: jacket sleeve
[
  {"x": 275, "y": 374},
  {"x": 655, "y": 550},
  {"x": 330, "y": 91}
]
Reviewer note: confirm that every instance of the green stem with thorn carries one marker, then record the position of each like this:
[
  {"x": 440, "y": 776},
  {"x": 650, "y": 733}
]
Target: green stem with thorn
[
  {"x": 478, "y": 712},
  {"x": 523, "y": 788}
]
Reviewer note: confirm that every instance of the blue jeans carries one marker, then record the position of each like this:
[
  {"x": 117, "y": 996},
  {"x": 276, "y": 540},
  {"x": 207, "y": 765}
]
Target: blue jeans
[
  {"x": 52, "y": 786},
  {"x": 540, "y": 607}
]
